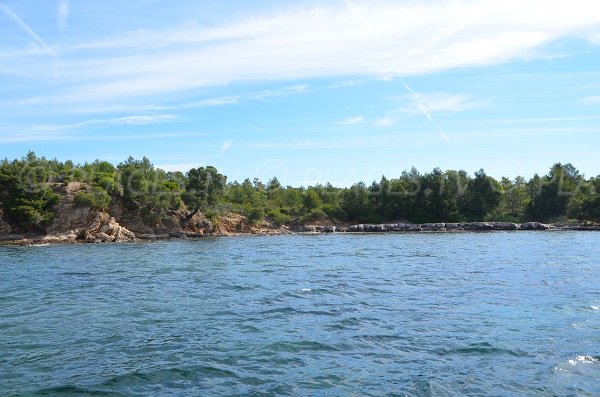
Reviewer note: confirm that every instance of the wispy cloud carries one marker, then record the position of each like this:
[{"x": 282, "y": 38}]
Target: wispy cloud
[
  {"x": 226, "y": 146},
  {"x": 15, "y": 18},
  {"x": 129, "y": 120},
  {"x": 223, "y": 101},
  {"x": 419, "y": 104},
  {"x": 439, "y": 102},
  {"x": 72, "y": 136},
  {"x": 62, "y": 15},
  {"x": 351, "y": 121},
  {"x": 345, "y": 84},
  {"x": 591, "y": 100},
  {"x": 294, "y": 89},
  {"x": 384, "y": 122},
  {"x": 392, "y": 38}
]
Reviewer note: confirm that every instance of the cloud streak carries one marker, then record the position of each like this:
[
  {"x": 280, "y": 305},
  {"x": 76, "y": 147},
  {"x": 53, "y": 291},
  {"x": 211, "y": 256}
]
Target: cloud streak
[
  {"x": 440, "y": 102},
  {"x": 226, "y": 146},
  {"x": 15, "y": 18},
  {"x": 423, "y": 109},
  {"x": 351, "y": 121},
  {"x": 62, "y": 15},
  {"x": 129, "y": 120},
  {"x": 591, "y": 100},
  {"x": 381, "y": 38}
]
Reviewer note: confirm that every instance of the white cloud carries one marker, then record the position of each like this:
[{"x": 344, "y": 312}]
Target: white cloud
[
  {"x": 384, "y": 122},
  {"x": 52, "y": 135},
  {"x": 351, "y": 121},
  {"x": 129, "y": 120},
  {"x": 223, "y": 101},
  {"x": 382, "y": 38},
  {"x": 17, "y": 20},
  {"x": 62, "y": 14},
  {"x": 439, "y": 102},
  {"x": 32, "y": 137},
  {"x": 591, "y": 100},
  {"x": 226, "y": 146},
  {"x": 294, "y": 89},
  {"x": 345, "y": 84}
]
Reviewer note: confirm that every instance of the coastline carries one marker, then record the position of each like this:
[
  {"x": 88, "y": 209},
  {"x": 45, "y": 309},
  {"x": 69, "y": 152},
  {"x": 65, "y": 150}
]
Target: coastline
[{"x": 387, "y": 228}]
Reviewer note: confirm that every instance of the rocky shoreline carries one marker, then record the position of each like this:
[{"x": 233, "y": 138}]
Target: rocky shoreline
[
  {"x": 448, "y": 227},
  {"x": 119, "y": 223},
  {"x": 105, "y": 229}
]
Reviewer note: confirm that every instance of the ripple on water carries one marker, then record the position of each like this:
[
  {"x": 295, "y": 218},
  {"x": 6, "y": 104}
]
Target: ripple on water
[
  {"x": 326, "y": 316},
  {"x": 300, "y": 346},
  {"x": 480, "y": 349}
]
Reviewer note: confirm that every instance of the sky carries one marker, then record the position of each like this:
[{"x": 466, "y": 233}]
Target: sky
[{"x": 311, "y": 92}]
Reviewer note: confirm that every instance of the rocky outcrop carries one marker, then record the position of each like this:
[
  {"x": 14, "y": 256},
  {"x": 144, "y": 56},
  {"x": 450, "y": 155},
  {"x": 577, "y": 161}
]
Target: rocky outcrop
[
  {"x": 79, "y": 223},
  {"x": 99, "y": 227},
  {"x": 534, "y": 226},
  {"x": 442, "y": 227},
  {"x": 74, "y": 223}
]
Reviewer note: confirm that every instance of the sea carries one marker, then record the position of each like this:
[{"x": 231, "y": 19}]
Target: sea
[{"x": 422, "y": 314}]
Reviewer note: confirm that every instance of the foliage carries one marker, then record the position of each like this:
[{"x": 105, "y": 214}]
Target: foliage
[
  {"x": 256, "y": 215},
  {"x": 28, "y": 198},
  {"x": 204, "y": 188},
  {"x": 96, "y": 198},
  {"x": 25, "y": 197}
]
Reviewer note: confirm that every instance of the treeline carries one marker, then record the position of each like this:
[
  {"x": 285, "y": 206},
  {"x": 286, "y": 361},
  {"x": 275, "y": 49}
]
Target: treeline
[{"x": 28, "y": 199}]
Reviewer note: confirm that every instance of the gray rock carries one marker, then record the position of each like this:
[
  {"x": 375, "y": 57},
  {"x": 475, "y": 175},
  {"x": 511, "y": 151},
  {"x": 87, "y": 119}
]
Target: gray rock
[
  {"x": 534, "y": 226},
  {"x": 505, "y": 226}
]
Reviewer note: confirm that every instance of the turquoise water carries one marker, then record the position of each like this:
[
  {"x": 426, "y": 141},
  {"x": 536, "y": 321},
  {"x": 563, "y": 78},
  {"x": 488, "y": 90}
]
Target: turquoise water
[{"x": 490, "y": 314}]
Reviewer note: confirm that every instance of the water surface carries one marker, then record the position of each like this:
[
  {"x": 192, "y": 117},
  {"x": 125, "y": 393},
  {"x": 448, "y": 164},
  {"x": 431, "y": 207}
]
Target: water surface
[{"x": 439, "y": 314}]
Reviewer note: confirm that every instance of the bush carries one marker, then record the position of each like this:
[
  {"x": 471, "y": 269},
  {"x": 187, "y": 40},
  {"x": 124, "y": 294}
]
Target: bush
[
  {"x": 255, "y": 215},
  {"x": 96, "y": 198},
  {"x": 335, "y": 212},
  {"x": 279, "y": 218},
  {"x": 107, "y": 183},
  {"x": 314, "y": 215}
]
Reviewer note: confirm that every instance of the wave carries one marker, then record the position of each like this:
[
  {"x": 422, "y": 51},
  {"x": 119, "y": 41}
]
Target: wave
[
  {"x": 76, "y": 391},
  {"x": 479, "y": 349}
]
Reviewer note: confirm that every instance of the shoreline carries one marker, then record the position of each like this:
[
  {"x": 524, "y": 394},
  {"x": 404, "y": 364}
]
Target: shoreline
[{"x": 358, "y": 229}]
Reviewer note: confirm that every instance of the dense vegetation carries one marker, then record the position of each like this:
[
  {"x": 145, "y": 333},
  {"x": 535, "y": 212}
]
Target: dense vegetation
[{"x": 28, "y": 198}]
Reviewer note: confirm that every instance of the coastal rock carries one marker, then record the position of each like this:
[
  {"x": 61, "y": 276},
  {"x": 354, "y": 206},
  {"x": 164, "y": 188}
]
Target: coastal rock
[
  {"x": 433, "y": 226},
  {"x": 534, "y": 226},
  {"x": 505, "y": 226},
  {"x": 478, "y": 226}
]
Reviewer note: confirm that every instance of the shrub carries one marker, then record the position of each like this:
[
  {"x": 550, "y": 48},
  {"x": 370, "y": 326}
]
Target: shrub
[
  {"x": 279, "y": 218},
  {"x": 335, "y": 212},
  {"x": 96, "y": 198},
  {"x": 255, "y": 215},
  {"x": 107, "y": 183},
  {"x": 314, "y": 215}
]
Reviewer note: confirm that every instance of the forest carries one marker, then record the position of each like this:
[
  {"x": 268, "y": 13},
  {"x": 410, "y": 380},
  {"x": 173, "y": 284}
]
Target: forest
[{"x": 28, "y": 198}]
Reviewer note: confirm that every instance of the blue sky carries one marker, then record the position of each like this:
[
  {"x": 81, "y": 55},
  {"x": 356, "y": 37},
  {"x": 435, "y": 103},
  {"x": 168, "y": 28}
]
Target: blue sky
[{"x": 308, "y": 91}]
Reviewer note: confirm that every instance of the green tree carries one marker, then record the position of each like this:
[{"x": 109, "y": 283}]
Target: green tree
[
  {"x": 312, "y": 200},
  {"x": 483, "y": 196},
  {"x": 204, "y": 188}
]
